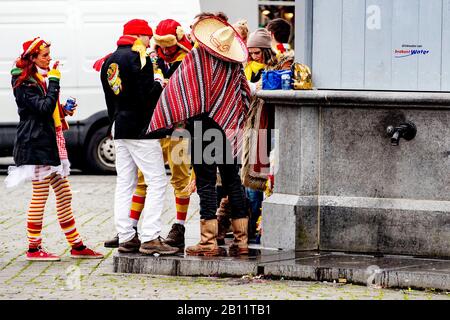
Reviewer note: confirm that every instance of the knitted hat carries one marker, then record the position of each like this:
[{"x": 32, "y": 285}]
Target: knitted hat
[
  {"x": 32, "y": 46},
  {"x": 220, "y": 39},
  {"x": 260, "y": 38},
  {"x": 169, "y": 33},
  {"x": 137, "y": 27}
]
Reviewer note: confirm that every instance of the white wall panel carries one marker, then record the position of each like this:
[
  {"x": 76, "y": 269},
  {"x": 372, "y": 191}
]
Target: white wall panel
[
  {"x": 381, "y": 44},
  {"x": 353, "y": 43},
  {"x": 327, "y": 49}
]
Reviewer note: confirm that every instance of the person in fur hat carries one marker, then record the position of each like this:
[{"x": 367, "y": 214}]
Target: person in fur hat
[
  {"x": 210, "y": 91},
  {"x": 171, "y": 45}
]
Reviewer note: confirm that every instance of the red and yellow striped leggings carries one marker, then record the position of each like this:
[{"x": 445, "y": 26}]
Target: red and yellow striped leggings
[{"x": 63, "y": 196}]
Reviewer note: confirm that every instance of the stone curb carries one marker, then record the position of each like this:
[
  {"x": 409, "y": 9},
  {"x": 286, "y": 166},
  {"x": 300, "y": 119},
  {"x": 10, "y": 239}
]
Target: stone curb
[{"x": 385, "y": 272}]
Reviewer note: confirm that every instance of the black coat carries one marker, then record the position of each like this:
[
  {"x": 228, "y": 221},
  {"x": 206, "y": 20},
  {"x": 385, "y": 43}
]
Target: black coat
[
  {"x": 132, "y": 108},
  {"x": 167, "y": 69},
  {"x": 35, "y": 141}
]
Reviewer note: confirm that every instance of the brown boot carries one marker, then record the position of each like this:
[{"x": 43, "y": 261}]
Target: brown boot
[
  {"x": 157, "y": 246},
  {"x": 240, "y": 241},
  {"x": 208, "y": 243},
  {"x": 175, "y": 238},
  {"x": 224, "y": 225},
  {"x": 131, "y": 245},
  {"x": 223, "y": 218}
]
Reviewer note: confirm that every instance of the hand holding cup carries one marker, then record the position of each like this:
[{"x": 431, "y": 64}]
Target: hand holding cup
[{"x": 70, "y": 106}]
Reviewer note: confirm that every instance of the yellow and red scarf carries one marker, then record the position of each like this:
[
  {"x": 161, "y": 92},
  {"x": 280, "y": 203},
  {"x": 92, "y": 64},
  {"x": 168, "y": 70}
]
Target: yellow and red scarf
[
  {"x": 125, "y": 40},
  {"x": 253, "y": 67},
  {"x": 171, "y": 57}
]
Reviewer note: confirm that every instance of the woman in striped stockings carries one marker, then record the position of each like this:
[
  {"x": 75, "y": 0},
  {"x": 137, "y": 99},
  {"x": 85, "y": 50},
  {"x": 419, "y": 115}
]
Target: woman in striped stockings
[{"x": 40, "y": 153}]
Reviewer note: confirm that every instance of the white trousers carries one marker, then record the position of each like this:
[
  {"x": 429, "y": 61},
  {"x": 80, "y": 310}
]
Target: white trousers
[{"x": 147, "y": 156}]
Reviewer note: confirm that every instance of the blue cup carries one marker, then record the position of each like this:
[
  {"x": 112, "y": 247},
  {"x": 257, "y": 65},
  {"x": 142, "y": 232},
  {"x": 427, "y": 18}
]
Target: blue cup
[
  {"x": 70, "y": 104},
  {"x": 286, "y": 81}
]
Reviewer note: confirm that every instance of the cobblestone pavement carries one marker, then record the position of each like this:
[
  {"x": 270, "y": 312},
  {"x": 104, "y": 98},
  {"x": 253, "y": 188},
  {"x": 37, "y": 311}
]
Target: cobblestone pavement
[{"x": 94, "y": 279}]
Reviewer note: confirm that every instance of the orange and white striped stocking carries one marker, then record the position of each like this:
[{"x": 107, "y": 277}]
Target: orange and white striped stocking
[
  {"x": 36, "y": 212},
  {"x": 63, "y": 196}
]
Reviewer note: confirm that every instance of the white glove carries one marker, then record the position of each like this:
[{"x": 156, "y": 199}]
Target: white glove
[
  {"x": 159, "y": 77},
  {"x": 252, "y": 87}
]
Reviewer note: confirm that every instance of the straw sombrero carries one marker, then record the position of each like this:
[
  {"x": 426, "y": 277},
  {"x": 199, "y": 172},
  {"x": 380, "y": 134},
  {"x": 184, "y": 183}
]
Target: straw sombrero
[{"x": 220, "y": 39}]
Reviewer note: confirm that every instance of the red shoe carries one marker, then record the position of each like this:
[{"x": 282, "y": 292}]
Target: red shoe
[
  {"x": 86, "y": 253},
  {"x": 42, "y": 255}
]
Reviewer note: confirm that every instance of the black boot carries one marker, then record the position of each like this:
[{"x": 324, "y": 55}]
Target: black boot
[
  {"x": 114, "y": 242},
  {"x": 175, "y": 238}
]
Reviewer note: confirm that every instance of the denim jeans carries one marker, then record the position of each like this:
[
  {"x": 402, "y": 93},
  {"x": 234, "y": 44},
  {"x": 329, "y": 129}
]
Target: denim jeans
[
  {"x": 255, "y": 198},
  {"x": 206, "y": 173}
]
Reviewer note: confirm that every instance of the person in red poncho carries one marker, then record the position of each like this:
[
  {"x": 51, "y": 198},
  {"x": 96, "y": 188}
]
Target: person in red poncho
[{"x": 210, "y": 90}]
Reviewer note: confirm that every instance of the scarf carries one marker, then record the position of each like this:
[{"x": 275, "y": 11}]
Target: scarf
[
  {"x": 42, "y": 72},
  {"x": 178, "y": 55},
  {"x": 205, "y": 84},
  {"x": 282, "y": 47},
  {"x": 253, "y": 67},
  {"x": 126, "y": 40}
]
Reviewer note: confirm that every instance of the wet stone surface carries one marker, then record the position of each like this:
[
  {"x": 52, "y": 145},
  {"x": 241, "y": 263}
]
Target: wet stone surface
[
  {"x": 389, "y": 271},
  {"x": 96, "y": 279}
]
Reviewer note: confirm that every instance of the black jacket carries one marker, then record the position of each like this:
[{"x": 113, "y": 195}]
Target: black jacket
[
  {"x": 167, "y": 69},
  {"x": 132, "y": 107},
  {"x": 35, "y": 141}
]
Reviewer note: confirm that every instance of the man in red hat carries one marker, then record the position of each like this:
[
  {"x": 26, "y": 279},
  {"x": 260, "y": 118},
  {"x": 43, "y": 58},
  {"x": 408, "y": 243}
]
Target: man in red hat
[
  {"x": 171, "y": 45},
  {"x": 171, "y": 48},
  {"x": 131, "y": 92}
]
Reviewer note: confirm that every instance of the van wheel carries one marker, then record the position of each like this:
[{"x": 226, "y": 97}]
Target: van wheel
[{"x": 101, "y": 155}]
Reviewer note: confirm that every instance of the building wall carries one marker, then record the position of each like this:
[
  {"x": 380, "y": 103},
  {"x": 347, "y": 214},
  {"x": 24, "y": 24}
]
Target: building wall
[
  {"x": 235, "y": 9},
  {"x": 381, "y": 44}
]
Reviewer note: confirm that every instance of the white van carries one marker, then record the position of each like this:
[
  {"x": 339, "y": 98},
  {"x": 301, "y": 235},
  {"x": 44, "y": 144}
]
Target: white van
[{"x": 81, "y": 31}]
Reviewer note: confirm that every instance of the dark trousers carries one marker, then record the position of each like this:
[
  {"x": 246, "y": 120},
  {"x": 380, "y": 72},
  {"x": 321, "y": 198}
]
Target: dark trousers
[
  {"x": 255, "y": 198},
  {"x": 206, "y": 169}
]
